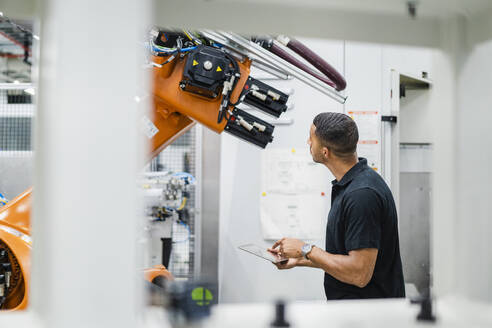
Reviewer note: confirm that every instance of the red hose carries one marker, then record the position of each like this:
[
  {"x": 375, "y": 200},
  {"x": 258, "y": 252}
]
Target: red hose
[
  {"x": 294, "y": 61},
  {"x": 329, "y": 71}
]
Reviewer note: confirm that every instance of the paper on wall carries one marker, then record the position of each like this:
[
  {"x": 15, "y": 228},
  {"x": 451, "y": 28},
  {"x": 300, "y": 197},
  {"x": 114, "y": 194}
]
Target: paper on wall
[
  {"x": 371, "y": 150},
  {"x": 295, "y": 195},
  {"x": 369, "y": 145},
  {"x": 297, "y": 216}
]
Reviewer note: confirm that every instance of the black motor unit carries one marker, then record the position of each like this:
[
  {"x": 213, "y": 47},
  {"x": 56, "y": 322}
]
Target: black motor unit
[{"x": 206, "y": 70}]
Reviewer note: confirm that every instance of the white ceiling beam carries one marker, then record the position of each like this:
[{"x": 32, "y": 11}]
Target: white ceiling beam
[
  {"x": 17, "y": 9},
  {"x": 257, "y": 18},
  {"x": 479, "y": 28}
]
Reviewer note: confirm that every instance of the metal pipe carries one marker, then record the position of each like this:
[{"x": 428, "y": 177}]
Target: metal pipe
[
  {"x": 257, "y": 61},
  {"x": 282, "y": 64},
  {"x": 271, "y": 70}
]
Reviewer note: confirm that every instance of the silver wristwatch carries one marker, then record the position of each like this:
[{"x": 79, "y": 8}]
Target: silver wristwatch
[{"x": 306, "y": 249}]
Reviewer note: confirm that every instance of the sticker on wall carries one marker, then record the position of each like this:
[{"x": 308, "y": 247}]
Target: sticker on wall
[
  {"x": 148, "y": 127},
  {"x": 369, "y": 145}
]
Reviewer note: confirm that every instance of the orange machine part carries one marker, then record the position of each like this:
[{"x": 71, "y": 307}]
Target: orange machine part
[
  {"x": 151, "y": 274},
  {"x": 17, "y": 213},
  {"x": 15, "y": 237},
  {"x": 170, "y": 126},
  {"x": 175, "y": 110}
]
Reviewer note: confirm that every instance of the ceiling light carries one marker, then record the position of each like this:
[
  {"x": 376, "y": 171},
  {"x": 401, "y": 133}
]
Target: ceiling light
[{"x": 30, "y": 91}]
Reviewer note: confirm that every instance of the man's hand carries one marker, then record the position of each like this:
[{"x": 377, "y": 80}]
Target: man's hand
[
  {"x": 289, "y": 264},
  {"x": 288, "y": 247}
]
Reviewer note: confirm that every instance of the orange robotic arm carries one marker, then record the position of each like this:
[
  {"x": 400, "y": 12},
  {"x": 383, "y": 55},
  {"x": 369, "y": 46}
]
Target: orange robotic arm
[
  {"x": 200, "y": 81},
  {"x": 175, "y": 110}
]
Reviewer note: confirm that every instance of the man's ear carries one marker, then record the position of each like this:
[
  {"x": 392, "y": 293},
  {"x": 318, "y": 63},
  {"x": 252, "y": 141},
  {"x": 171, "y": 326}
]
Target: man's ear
[{"x": 326, "y": 152}]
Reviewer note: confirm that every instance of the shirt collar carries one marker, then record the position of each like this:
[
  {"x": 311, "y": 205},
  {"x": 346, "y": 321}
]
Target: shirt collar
[{"x": 349, "y": 176}]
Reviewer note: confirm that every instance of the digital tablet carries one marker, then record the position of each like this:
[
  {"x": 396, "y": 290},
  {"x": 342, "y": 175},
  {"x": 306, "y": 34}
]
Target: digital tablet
[{"x": 263, "y": 253}]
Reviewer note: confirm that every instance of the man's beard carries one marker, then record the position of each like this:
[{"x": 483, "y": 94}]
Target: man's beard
[{"x": 316, "y": 157}]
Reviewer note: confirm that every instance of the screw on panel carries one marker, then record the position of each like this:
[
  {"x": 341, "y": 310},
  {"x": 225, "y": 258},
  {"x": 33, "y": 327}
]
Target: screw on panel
[
  {"x": 207, "y": 65},
  {"x": 412, "y": 8}
]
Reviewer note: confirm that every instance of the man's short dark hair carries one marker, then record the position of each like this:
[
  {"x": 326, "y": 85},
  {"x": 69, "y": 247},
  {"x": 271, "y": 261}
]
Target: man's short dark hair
[{"x": 337, "y": 132}]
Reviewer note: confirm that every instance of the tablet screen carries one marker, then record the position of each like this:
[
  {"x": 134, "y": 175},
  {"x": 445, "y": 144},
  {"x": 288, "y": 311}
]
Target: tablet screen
[{"x": 262, "y": 252}]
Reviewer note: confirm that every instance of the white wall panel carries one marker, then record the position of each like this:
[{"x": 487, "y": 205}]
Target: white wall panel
[
  {"x": 474, "y": 117},
  {"x": 416, "y": 117},
  {"x": 363, "y": 74}
]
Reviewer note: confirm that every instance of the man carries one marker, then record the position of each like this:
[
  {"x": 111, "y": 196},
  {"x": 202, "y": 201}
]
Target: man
[{"x": 362, "y": 256}]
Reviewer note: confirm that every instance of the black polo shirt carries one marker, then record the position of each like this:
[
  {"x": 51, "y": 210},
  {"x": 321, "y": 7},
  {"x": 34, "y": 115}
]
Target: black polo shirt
[{"x": 363, "y": 215}]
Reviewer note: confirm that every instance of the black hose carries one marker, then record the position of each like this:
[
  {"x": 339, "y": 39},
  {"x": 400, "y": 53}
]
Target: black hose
[{"x": 237, "y": 71}]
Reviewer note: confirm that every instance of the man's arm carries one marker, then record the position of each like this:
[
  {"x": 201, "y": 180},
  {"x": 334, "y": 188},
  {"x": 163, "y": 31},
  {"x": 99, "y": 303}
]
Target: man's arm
[
  {"x": 363, "y": 212},
  {"x": 356, "y": 268}
]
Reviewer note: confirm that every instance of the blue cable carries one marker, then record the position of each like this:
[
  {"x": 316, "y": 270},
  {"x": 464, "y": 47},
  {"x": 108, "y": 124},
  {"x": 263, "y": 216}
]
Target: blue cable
[
  {"x": 188, "y": 49},
  {"x": 3, "y": 200},
  {"x": 189, "y": 233},
  {"x": 173, "y": 51},
  {"x": 185, "y": 175}
]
